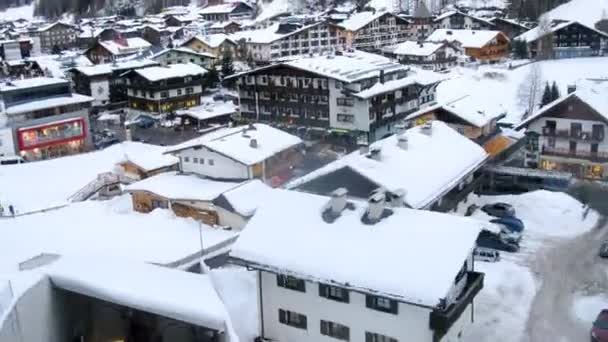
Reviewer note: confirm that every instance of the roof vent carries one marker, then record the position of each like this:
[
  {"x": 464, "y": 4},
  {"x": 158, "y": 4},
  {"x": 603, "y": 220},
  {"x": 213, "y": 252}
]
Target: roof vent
[
  {"x": 374, "y": 152},
  {"x": 253, "y": 143},
  {"x": 397, "y": 198},
  {"x": 427, "y": 128},
  {"x": 336, "y": 205},
  {"x": 375, "y": 207},
  {"x": 402, "y": 142}
]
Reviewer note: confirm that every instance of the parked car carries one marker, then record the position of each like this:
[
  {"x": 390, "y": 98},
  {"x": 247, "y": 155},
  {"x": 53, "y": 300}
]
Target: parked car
[
  {"x": 491, "y": 240},
  {"x": 486, "y": 254},
  {"x": 509, "y": 236},
  {"x": 106, "y": 142},
  {"x": 599, "y": 330},
  {"x": 11, "y": 160},
  {"x": 144, "y": 121},
  {"x": 499, "y": 209},
  {"x": 511, "y": 222},
  {"x": 603, "y": 253}
]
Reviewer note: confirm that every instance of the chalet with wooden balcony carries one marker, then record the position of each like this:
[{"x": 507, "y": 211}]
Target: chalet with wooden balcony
[
  {"x": 567, "y": 39},
  {"x": 430, "y": 167},
  {"x": 430, "y": 56},
  {"x": 343, "y": 293},
  {"x": 357, "y": 94},
  {"x": 456, "y": 20},
  {"x": 163, "y": 89},
  {"x": 569, "y": 134},
  {"x": 482, "y": 45}
]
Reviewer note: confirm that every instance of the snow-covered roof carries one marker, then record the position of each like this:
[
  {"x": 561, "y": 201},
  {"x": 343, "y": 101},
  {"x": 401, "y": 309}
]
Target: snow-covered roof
[
  {"x": 50, "y": 102},
  {"x": 347, "y": 67},
  {"x": 223, "y": 24},
  {"x": 451, "y": 13},
  {"x": 415, "y": 76},
  {"x": 554, "y": 26},
  {"x": 236, "y": 143},
  {"x": 31, "y": 83},
  {"x": 220, "y": 8},
  {"x": 360, "y": 19},
  {"x": 132, "y": 45},
  {"x": 468, "y": 38},
  {"x": 288, "y": 235},
  {"x": 151, "y": 161},
  {"x": 412, "y": 48},
  {"x": 212, "y": 40},
  {"x": 176, "y": 186},
  {"x": 157, "y": 73},
  {"x": 584, "y": 11},
  {"x": 430, "y": 166},
  {"x": 465, "y": 108},
  {"x": 47, "y": 27},
  {"x": 245, "y": 198},
  {"x": 105, "y": 69},
  {"x": 592, "y": 97},
  {"x": 183, "y": 50},
  {"x": 183, "y": 296},
  {"x": 209, "y": 110}
]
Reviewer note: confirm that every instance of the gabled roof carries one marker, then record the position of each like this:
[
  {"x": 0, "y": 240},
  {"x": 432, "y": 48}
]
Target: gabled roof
[
  {"x": 236, "y": 143},
  {"x": 176, "y": 186},
  {"x": 555, "y": 25},
  {"x": 132, "y": 45},
  {"x": 358, "y": 20},
  {"x": 468, "y": 38},
  {"x": 223, "y": 8},
  {"x": 50, "y": 26},
  {"x": 183, "y": 50},
  {"x": 212, "y": 40},
  {"x": 415, "y": 76},
  {"x": 412, "y": 48},
  {"x": 157, "y": 73},
  {"x": 465, "y": 108},
  {"x": 451, "y": 13},
  {"x": 245, "y": 198},
  {"x": 287, "y": 235},
  {"x": 431, "y": 164},
  {"x": 595, "y": 99}
]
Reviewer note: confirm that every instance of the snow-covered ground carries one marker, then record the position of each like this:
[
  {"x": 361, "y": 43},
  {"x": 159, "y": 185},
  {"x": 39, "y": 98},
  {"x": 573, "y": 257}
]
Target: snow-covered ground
[
  {"x": 497, "y": 88},
  {"x": 586, "y": 308},
  {"x": 44, "y": 184},
  {"x": 21, "y": 12}
]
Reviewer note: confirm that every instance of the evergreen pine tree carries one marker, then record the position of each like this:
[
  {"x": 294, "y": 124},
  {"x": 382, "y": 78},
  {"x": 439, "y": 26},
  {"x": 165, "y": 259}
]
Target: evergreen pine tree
[
  {"x": 227, "y": 65},
  {"x": 554, "y": 92},
  {"x": 211, "y": 77},
  {"x": 546, "y": 95},
  {"x": 520, "y": 49}
]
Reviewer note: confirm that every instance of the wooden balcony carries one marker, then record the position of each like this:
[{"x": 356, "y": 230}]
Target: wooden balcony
[
  {"x": 574, "y": 135},
  {"x": 442, "y": 319},
  {"x": 598, "y": 157}
]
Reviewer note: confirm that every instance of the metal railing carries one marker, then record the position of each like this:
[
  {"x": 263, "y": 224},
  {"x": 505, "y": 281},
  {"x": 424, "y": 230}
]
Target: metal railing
[
  {"x": 570, "y": 134},
  {"x": 103, "y": 179},
  {"x": 599, "y": 157}
]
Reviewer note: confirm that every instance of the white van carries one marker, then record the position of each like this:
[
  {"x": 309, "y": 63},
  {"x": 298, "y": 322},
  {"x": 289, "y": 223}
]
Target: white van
[
  {"x": 11, "y": 160},
  {"x": 486, "y": 254}
]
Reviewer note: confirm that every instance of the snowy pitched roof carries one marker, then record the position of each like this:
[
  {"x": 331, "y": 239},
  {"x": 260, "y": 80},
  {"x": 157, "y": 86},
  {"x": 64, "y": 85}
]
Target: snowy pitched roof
[
  {"x": 451, "y": 13},
  {"x": 151, "y": 161},
  {"x": 430, "y": 166},
  {"x": 592, "y": 97},
  {"x": 468, "y": 38},
  {"x": 50, "y": 26},
  {"x": 31, "y": 83},
  {"x": 584, "y": 11},
  {"x": 358, "y": 20},
  {"x": 554, "y": 26},
  {"x": 415, "y": 76},
  {"x": 465, "y": 108},
  {"x": 183, "y": 50},
  {"x": 157, "y": 73},
  {"x": 348, "y": 67},
  {"x": 245, "y": 198},
  {"x": 212, "y": 40},
  {"x": 50, "y": 102},
  {"x": 412, "y": 48},
  {"x": 220, "y": 8},
  {"x": 209, "y": 110},
  {"x": 175, "y": 186},
  {"x": 132, "y": 45},
  {"x": 143, "y": 287},
  {"x": 236, "y": 143},
  {"x": 288, "y": 235},
  {"x": 105, "y": 69}
]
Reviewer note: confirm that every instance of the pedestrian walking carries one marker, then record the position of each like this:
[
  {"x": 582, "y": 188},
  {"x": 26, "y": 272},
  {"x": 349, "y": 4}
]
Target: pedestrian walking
[{"x": 11, "y": 209}]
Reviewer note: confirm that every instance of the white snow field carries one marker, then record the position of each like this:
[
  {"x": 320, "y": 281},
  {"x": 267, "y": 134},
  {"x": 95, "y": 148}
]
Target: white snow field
[
  {"x": 20, "y": 12},
  {"x": 586, "y": 308}
]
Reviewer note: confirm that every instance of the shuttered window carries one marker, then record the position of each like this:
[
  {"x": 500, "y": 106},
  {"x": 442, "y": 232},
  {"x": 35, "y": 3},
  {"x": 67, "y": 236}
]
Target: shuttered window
[
  {"x": 291, "y": 283},
  {"x": 375, "y": 337},
  {"x": 382, "y": 304},
  {"x": 293, "y": 319},
  {"x": 334, "y": 293},
  {"x": 335, "y": 330}
]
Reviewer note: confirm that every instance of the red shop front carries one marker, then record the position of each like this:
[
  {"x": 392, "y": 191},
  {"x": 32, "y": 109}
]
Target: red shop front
[{"x": 52, "y": 140}]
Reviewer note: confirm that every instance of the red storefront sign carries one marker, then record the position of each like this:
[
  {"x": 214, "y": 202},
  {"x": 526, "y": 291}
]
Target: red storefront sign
[{"x": 54, "y": 133}]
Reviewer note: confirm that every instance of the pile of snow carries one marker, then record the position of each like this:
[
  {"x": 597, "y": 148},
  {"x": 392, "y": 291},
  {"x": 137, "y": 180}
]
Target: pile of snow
[
  {"x": 546, "y": 213},
  {"x": 22, "y": 12},
  {"x": 44, "y": 184},
  {"x": 105, "y": 228},
  {"x": 500, "y": 88},
  {"x": 502, "y": 307},
  {"x": 586, "y": 308},
  {"x": 587, "y": 12}
]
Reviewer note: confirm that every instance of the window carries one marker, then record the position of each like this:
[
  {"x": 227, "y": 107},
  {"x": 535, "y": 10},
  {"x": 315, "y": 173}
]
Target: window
[
  {"x": 201, "y": 161},
  {"x": 291, "y": 283},
  {"x": 345, "y": 101},
  {"x": 195, "y": 160},
  {"x": 179, "y": 91},
  {"x": 335, "y": 330},
  {"x": 594, "y": 148},
  {"x": 189, "y": 90},
  {"x": 164, "y": 94},
  {"x": 334, "y": 293},
  {"x": 159, "y": 204},
  {"x": 187, "y": 79},
  {"x": 375, "y": 337},
  {"x": 211, "y": 162},
  {"x": 346, "y": 118},
  {"x": 551, "y": 142},
  {"x": 382, "y": 304},
  {"x": 572, "y": 146},
  {"x": 186, "y": 159},
  {"x": 293, "y": 319}
]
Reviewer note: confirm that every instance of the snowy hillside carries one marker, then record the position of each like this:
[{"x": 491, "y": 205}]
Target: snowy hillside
[
  {"x": 587, "y": 12},
  {"x": 21, "y": 12}
]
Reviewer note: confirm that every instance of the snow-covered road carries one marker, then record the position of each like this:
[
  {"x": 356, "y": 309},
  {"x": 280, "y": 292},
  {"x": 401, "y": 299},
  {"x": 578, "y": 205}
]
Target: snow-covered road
[{"x": 564, "y": 270}]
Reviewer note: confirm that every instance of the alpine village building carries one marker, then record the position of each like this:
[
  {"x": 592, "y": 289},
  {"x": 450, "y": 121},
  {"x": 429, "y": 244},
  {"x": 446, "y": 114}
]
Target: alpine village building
[
  {"x": 566, "y": 39},
  {"x": 57, "y": 36},
  {"x": 355, "y": 94},
  {"x": 163, "y": 89},
  {"x": 569, "y": 134},
  {"x": 41, "y": 118},
  {"x": 371, "y": 31},
  {"x": 342, "y": 293},
  {"x": 482, "y": 45}
]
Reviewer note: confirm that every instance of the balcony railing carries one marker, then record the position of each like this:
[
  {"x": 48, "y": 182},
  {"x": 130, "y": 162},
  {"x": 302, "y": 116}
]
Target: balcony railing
[
  {"x": 576, "y": 135},
  {"x": 599, "y": 157},
  {"x": 442, "y": 319}
]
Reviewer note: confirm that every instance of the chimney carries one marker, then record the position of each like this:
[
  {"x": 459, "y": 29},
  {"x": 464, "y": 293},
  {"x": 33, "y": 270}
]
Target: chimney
[
  {"x": 363, "y": 149},
  {"x": 571, "y": 88},
  {"x": 253, "y": 143},
  {"x": 398, "y": 198},
  {"x": 382, "y": 76},
  {"x": 374, "y": 152},
  {"x": 337, "y": 203},
  {"x": 427, "y": 128},
  {"x": 375, "y": 206},
  {"x": 402, "y": 142}
]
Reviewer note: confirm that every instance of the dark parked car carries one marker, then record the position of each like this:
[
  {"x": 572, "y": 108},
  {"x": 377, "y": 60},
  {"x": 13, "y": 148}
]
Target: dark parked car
[
  {"x": 499, "y": 209},
  {"x": 144, "y": 122},
  {"x": 513, "y": 223},
  {"x": 604, "y": 249},
  {"x": 599, "y": 330},
  {"x": 491, "y": 240}
]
